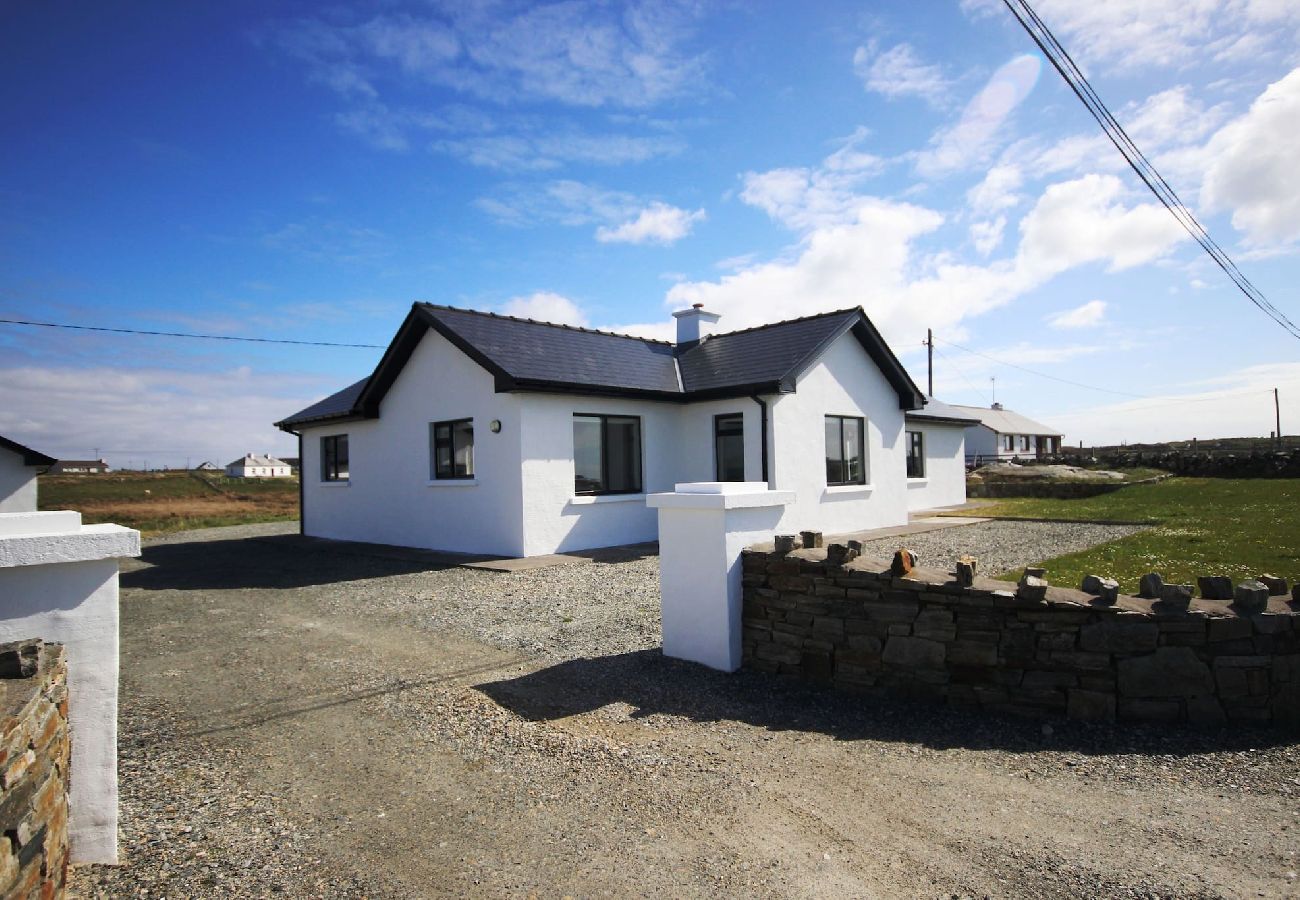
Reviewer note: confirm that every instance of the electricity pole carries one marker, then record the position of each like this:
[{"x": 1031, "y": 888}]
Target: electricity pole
[
  {"x": 929, "y": 347},
  {"x": 1277, "y": 415}
]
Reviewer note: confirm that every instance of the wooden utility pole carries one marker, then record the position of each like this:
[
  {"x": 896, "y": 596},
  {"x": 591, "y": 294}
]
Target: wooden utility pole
[
  {"x": 1277, "y": 416},
  {"x": 929, "y": 348}
]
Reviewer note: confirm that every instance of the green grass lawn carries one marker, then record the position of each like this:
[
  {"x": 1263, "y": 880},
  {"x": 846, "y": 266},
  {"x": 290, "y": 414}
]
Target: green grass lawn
[
  {"x": 159, "y": 502},
  {"x": 1203, "y": 526}
]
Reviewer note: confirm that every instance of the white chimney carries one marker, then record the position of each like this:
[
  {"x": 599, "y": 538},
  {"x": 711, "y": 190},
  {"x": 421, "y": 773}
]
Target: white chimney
[{"x": 694, "y": 324}]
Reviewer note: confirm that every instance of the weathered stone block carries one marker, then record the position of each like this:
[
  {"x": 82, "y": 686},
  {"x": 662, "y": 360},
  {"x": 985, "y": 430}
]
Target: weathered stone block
[
  {"x": 1018, "y": 645},
  {"x": 1176, "y": 597},
  {"x": 1205, "y": 712},
  {"x": 778, "y": 653},
  {"x": 1251, "y": 596},
  {"x": 1295, "y": 592},
  {"x": 1073, "y": 659},
  {"x": 966, "y": 569},
  {"x": 815, "y": 666},
  {"x": 1032, "y": 587},
  {"x": 866, "y": 643},
  {"x": 1150, "y": 710},
  {"x": 20, "y": 659},
  {"x": 1149, "y": 586},
  {"x": 892, "y": 612},
  {"x": 1040, "y": 680},
  {"x": 1215, "y": 587},
  {"x": 913, "y": 652},
  {"x": 1090, "y": 706},
  {"x": 811, "y": 539},
  {"x": 972, "y": 653},
  {"x": 786, "y": 543},
  {"x": 1277, "y": 587},
  {"x": 904, "y": 562},
  {"x": 1119, "y": 636},
  {"x": 1168, "y": 672},
  {"x": 795, "y": 584},
  {"x": 1104, "y": 589},
  {"x": 1228, "y": 629}
]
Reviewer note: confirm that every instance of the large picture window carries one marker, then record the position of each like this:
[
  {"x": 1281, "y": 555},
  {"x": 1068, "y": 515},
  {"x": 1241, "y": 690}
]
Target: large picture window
[
  {"x": 452, "y": 449},
  {"x": 606, "y": 454},
  {"x": 729, "y": 447},
  {"x": 915, "y": 454},
  {"x": 334, "y": 457},
  {"x": 846, "y": 456}
]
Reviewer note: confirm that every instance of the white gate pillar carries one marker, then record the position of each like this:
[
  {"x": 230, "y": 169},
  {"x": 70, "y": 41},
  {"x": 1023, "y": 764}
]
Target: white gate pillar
[{"x": 703, "y": 527}]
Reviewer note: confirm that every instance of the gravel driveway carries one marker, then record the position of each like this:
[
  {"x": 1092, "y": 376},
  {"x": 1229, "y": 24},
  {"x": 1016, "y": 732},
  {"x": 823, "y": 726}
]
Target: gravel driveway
[{"x": 302, "y": 723}]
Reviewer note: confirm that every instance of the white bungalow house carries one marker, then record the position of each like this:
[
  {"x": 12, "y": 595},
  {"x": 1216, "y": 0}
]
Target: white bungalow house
[
  {"x": 1000, "y": 434},
  {"x": 19, "y": 467},
  {"x": 490, "y": 434},
  {"x": 254, "y": 466}
]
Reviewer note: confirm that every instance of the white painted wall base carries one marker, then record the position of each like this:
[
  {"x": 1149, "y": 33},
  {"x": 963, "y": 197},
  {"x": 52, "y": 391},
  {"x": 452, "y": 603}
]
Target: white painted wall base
[
  {"x": 703, "y": 527},
  {"x": 58, "y": 581}
]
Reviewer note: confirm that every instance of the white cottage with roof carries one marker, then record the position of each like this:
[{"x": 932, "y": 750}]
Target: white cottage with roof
[
  {"x": 1000, "y": 434},
  {"x": 254, "y": 466},
  {"x": 19, "y": 467},
  {"x": 490, "y": 434}
]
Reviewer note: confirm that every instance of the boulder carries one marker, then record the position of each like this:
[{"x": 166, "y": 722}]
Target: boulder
[
  {"x": 1033, "y": 586},
  {"x": 786, "y": 542},
  {"x": 1215, "y": 587},
  {"x": 1150, "y": 585},
  {"x": 1104, "y": 589},
  {"x": 1252, "y": 596},
  {"x": 1177, "y": 597},
  {"x": 1277, "y": 587},
  {"x": 839, "y": 554}
]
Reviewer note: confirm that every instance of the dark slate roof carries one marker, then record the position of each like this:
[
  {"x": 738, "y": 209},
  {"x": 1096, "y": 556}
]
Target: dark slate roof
[
  {"x": 30, "y": 457},
  {"x": 332, "y": 407},
  {"x": 936, "y": 411},
  {"x": 524, "y": 355}
]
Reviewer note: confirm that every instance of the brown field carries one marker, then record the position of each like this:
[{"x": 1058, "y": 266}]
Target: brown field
[{"x": 160, "y": 502}]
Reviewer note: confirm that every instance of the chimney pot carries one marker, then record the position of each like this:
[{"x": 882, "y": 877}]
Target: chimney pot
[{"x": 697, "y": 306}]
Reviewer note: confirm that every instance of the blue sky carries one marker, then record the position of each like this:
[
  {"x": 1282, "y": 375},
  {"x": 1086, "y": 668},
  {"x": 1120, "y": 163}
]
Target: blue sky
[{"x": 303, "y": 171}]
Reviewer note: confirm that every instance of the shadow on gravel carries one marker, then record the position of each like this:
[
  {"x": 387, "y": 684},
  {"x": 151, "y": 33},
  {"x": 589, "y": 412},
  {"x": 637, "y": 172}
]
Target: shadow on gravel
[
  {"x": 280, "y": 561},
  {"x": 656, "y": 685}
]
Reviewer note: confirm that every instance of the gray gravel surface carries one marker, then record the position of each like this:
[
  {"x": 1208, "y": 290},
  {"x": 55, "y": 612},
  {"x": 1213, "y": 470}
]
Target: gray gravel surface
[{"x": 304, "y": 723}]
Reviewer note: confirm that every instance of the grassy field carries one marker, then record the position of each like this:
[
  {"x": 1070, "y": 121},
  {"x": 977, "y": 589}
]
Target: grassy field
[
  {"x": 1204, "y": 526},
  {"x": 159, "y": 502}
]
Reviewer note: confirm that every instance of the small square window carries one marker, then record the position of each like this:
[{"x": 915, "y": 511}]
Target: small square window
[{"x": 451, "y": 449}]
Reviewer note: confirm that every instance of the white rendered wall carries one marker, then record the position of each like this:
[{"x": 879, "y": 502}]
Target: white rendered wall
[
  {"x": 60, "y": 587},
  {"x": 944, "y": 483},
  {"x": 695, "y": 445},
  {"x": 17, "y": 484},
  {"x": 390, "y": 498},
  {"x": 844, "y": 382},
  {"x": 985, "y": 442},
  {"x": 555, "y": 520}
]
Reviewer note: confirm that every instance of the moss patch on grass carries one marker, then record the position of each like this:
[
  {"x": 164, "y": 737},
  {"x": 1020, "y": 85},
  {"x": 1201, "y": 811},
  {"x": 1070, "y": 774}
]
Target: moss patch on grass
[{"x": 1203, "y": 526}]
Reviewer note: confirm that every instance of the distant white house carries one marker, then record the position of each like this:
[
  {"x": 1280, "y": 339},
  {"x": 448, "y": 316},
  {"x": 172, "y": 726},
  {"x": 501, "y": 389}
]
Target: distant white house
[
  {"x": 1000, "y": 434},
  {"x": 79, "y": 467},
  {"x": 207, "y": 466},
  {"x": 19, "y": 467},
  {"x": 484, "y": 433},
  {"x": 253, "y": 466}
]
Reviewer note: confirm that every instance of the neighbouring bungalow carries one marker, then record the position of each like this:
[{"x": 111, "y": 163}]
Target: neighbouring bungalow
[
  {"x": 79, "y": 467},
  {"x": 207, "y": 466},
  {"x": 490, "y": 434},
  {"x": 19, "y": 467},
  {"x": 1000, "y": 434},
  {"x": 253, "y": 466}
]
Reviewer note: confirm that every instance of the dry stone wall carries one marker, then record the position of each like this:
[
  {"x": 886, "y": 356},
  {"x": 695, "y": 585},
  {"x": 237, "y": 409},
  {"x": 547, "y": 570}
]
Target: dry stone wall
[
  {"x": 35, "y": 753},
  {"x": 858, "y": 627}
]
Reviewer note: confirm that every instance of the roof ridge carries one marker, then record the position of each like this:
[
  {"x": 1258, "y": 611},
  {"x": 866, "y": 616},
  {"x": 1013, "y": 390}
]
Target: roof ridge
[
  {"x": 823, "y": 315},
  {"x": 494, "y": 315}
]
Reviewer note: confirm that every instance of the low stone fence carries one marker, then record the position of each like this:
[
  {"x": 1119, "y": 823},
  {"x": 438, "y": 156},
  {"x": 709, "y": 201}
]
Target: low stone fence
[
  {"x": 1056, "y": 490},
  {"x": 35, "y": 755},
  {"x": 1194, "y": 463},
  {"x": 1032, "y": 650}
]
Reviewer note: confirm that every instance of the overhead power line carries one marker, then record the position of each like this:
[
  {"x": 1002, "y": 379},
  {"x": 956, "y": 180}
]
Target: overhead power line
[
  {"x": 1074, "y": 77},
  {"x": 183, "y": 334}
]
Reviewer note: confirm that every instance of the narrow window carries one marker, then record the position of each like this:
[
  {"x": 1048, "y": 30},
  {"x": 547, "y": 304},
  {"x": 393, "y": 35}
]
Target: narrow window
[
  {"x": 729, "y": 447},
  {"x": 846, "y": 461},
  {"x": 606, "y": 454},
  {"x": 915, "y": 455},
  {"x": 452, "y": 449},
  {"x": 1008, "y": 442},
  {"x": 334, "y": 457},
  {"x": 1024, "y": 442}
]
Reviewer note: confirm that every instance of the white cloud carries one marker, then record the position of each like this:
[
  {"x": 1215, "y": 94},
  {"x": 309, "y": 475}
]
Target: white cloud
[
  {"x": 658, "y": 223},
  {"x": 898, "y": 72},
  {"x": 68, "y": 411},
  {"x": 810, "y": 197},
  {"x": 1088, "y": 315},
  {"x": 1251, "y": 166},
  {"x": 565, "y": 202},
  {"x": 987, "y": 235},
  {"x": 997, "y": 192},
  {"x": 1084, "y": 220},
  {"x": 545, "y": 306},
  {"x": 974, "y": 134}
]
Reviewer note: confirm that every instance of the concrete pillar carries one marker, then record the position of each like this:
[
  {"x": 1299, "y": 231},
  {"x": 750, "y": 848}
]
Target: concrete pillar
[
  {"x": 703, "y": 527},
  {"x": 58, "y": 581}
]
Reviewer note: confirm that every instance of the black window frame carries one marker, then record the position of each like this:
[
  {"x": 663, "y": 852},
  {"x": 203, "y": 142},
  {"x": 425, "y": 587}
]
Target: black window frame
[
  {"x": 862, "y": 445},
  {"x": 329, "y": 459},
  {"x": 718, "y": 421},
  {"x": 604, "y": 456},
  {"x": 434, "y": 471},
  {"x": 915, "y": 454}
]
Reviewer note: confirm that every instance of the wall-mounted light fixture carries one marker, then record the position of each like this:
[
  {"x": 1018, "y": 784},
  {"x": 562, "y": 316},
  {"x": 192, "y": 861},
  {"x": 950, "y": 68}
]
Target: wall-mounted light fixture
[{"x": 494, "y": 426}]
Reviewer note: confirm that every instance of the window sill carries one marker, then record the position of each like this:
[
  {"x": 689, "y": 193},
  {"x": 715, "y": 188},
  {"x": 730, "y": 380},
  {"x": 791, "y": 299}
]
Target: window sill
[
  {"x": 922, "y": 480},
  {"x": 850, "y": 489},
  {"x": 452, "y": 482},
  {"x": 335, "y": 484},
  {"x": 588, "y": 499}
]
